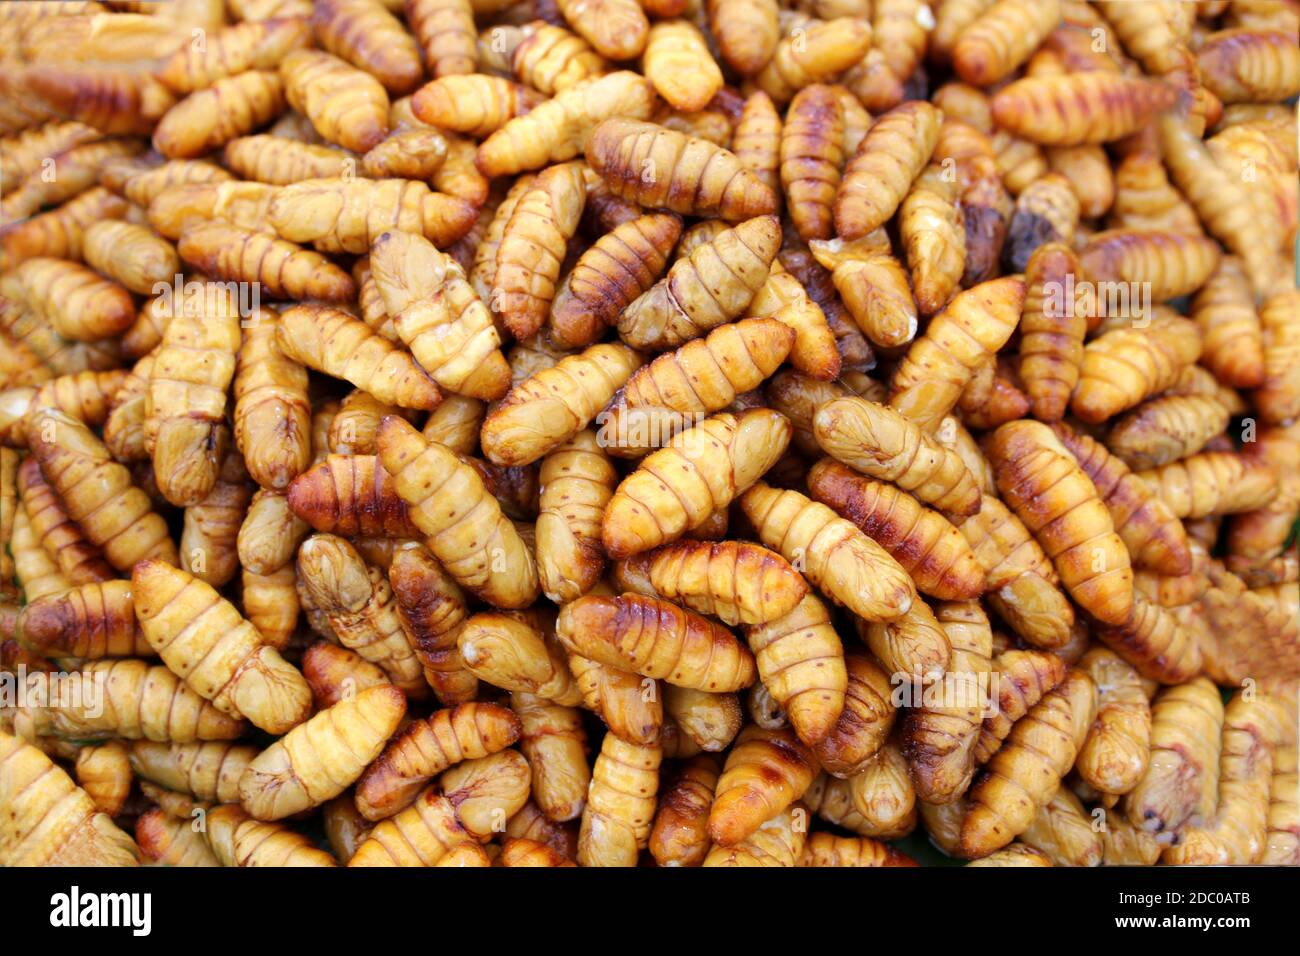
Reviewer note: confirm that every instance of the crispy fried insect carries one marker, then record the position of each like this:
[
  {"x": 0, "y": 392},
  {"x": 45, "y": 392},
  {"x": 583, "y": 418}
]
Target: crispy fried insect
[
  {"x": 130, "y": 254},
  {"x": 236, "y": 839},
  {"x": 1144, "y": 198},
  {"x": 52, "y": 822},
  {"x": 1051, "y": 331},
  {"x": 815, "y": 351},
  {"x": 736, "y": 582},
  {"x": 1236, "y": 832},
  {"x": 951, "y": 17},
  {"x": 1223, "y": 202},
  {"x": 658, "y": 167},
  {"x": 814, "y": 55},
  {"x": 486, "y": 792},
  {"x": 1088, "y": 171},
  {"x": 1063, "y": 832},
  {"x": 255, "y": 45},
  {"x": 369, "y": 37},
  {"x": 209, "y": 118},
  {"x": 510, "y": 652},
  {"x": 698, "y": 720},
  {"x": 1225, "y": 310},
  {"x": 96, "y": 491},
  {"x": 115, "y": 101},
  {"x": 1248, "y": 65},
  {"x": 185, "y": 402},
  {"x": 704, "y": 375},
  {"x": 59, "y": 232},
  {"x": 208, "y": 539},
  {"x": 79, "y": 304},
  {"x": 699, "y": 472},
  {"x": 629, "y": 705},
  {"x": 351, "y": 496},
  {"x": 927, "y": 383},
  {"x": 348, "y": 215},
  {"x": 171, "y": 841},
  {"x": 680, "y": 836},
  {"x": 549, "y": 408},
  {"x": 655, "y": 639},
  {"x": 549, "y": 58},
  {"x": 1001, "y": 38},
  {"x": 933, "y": 233},
  {"x": 756, "y": 139},
  {"x": 1169, "y": 264},
  {"x": 746, "y": 31},
  {"x": 765, "y": 771},
  {"x": 334, "y": 342},
  {"x": 476, "y": 105},
  {"x": 425, "y": 748},
  {"x": 878, "y": 177},
  {"x": 336, "y": 673},
  {"x": 272, "y": 416},
  {"x": 137, "y": 701},
  {"x": 620, "y": 804},
  {"x": 930, "y": 549},
  {"x": 271, "y": 159},
  {"x": 1165, "y": 429},
  {"x": 941, "y": 737},
  {"x": 618, "y": 268},
  {"x": 533, "y": 245},
  {"x": 561, "y": 128},
  {"x": 1283, "y": 829},
  {"x": 1213, "y": 483},
  {"x": 1182, "y": 776},
  {"x": 618, "y": 29},
  {"x": 1278, "y": 397},
  {"x": 678, "y": 62},
  {"x": 478, "y": 545},
  {"x": 358, "y": 602},
  {"x": 1077, "y": 108},
  {"x": 143, "y": 185},
  {"x": 80, "y": 561},
  {"x": 863, "y": 726},
  {"x": 577, "y": 480},
  {"x": 555, "y": 744},
  {"x": 1149, "y": 529},
  {"x": 1127, "y": 365},
  {"x": 433, "y": 608},
  {"x": 317, "y": 760},
  {"x": 220, "y": 655},
  {"x": 826, "y": 849},
  {"x": 812, "y": 155},
  {"x": 713, "y": 284},
  {"x": 899, "y": 28},
  {"x": 92, "y": 621},
  {"x": 880, "y": 442},
  {"x": 778, "y": 842},
  {"x": 1061, "y": 507},
  {"x": 179, "y": 208},
  {"x": 835, "y": 556},
  {"x": 407, "y": 154},
  {"x": 1154, "y": 641},
  {"x": 237, "y": 254},
  {"x": 424, "y": 834},
  {"x": 435, "y": 312},
  {"x": 1115, "y": 753},
  {"x": 522, "y": 852},
  {"x": 874, "y": 286},
  {"x": 1024, "y": 774},
  {"x": 346, "y": 105}
]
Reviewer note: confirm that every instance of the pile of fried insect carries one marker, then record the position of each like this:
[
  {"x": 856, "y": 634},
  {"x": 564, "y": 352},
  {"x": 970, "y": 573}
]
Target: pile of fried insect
[{"x": 625, "y": 432}]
